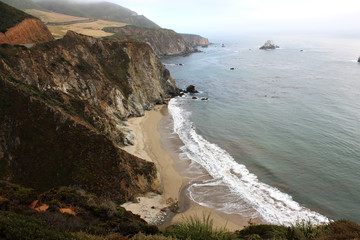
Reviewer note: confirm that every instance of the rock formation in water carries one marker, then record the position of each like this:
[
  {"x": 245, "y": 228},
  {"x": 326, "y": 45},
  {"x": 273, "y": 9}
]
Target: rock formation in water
[
  {"x": 359, "y": 59},
  {"x": 269, "y": 45},
  {"x": 165, "y": 42},
  {"x": 62, "y": 109},
  {"x": 17, "y": 27}
]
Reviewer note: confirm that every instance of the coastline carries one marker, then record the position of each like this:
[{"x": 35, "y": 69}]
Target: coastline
[{"x": 155, "y": 142}]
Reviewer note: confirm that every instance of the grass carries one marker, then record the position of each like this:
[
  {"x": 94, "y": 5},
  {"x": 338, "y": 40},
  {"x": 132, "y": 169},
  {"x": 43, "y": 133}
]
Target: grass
[
  {"x": 14, "y": 226},
  {"x": 196, "y": 228}
]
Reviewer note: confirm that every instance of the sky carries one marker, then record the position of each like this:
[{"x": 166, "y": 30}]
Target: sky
[{"x": 221, "y": 16}]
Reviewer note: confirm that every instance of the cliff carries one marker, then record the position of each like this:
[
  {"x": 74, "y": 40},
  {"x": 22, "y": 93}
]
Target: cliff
[
  {"x": 17, "y": 27},
  {"x": 62, "y": 109},
  {"x": 164, "y": 42},
  {"x": 195, "y": 40}
]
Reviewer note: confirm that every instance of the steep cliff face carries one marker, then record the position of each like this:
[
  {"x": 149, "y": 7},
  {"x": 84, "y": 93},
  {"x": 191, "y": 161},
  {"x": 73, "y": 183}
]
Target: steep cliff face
[
  {"x": 27, "y": 31},
  {"x": 164, "y": 42},
  {"x": 102, "y": 82},
  {"x": 62, "y": 109},
  {"x": 195, "y": 40},
  {"x": 42, "y": 147}
]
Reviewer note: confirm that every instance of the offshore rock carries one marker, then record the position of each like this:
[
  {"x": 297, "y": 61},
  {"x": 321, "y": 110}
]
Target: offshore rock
[
  {"x": 269, "y": 45},
  {"x": 359, "y": 60},
  {"x": 191, "y": 89}
]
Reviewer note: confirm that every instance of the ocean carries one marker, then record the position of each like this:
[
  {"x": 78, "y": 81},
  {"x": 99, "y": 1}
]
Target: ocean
[{"x": 279, "y": 137}]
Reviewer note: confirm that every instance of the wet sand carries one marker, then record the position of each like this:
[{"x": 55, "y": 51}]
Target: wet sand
[{"x": 155, "y": 142}]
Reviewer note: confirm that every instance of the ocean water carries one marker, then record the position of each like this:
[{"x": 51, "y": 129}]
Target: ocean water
[{"x": 279, "y": 137}]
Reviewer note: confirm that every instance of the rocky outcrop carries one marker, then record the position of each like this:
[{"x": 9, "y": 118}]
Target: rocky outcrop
[
  {"x": 111, "y": 80},
  {"x": 269, "y": 45},
  {"x": 359, "y": 60},
  {"x": 29, "y": 30},
  {"x": 195, "y": 40},
  {"x": 62, "y": 109},
  {"x": 191, "y": 89},
  {"x": 164, "y": 42},
  {"x": 42, "y": 147}
]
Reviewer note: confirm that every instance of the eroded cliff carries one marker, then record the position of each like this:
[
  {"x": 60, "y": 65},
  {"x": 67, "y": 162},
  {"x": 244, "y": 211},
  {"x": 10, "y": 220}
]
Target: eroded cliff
[
  {"x": 62, "y": 109},
  {"x": 195, "y": 40},
  {"x": 30, "y": 30},
  {"x": 17, "y": 27},
  {"x": 165, "y": 42}
]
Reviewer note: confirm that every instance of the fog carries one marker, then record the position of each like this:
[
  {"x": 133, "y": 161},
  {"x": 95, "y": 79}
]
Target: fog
[{"x": 241, "y": 16}]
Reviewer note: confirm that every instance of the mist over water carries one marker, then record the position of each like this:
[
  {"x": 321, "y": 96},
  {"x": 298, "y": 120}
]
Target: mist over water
[{"x": 280, "y": 134}]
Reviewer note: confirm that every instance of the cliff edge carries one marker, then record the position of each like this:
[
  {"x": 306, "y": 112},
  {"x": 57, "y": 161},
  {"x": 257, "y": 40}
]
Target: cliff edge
[
  {"x": 195, "y": 40},
  {"x": 164, "y": 42}
]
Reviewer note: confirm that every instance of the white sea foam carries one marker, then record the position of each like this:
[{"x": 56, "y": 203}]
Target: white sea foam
[{"x": 270, "y": 203}]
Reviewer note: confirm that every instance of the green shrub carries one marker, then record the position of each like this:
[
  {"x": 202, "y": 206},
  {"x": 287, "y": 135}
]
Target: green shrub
[
  {"x": 14, "y": 226},
  {"x": 15, "y": 192},
  {"x": 141, "y": 236},
  {"x": 197, "y": 229},
  {"x": 339, "y": 230},
  {"x": 63, "y": 195}
]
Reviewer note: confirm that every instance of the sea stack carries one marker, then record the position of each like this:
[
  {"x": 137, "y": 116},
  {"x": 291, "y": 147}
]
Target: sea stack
[
  {"x": 269, "y": 45},
  {"x": 359, "y": 60}
]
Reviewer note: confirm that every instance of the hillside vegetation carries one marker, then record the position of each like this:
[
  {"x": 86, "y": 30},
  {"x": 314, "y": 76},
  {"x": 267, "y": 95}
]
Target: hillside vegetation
[
  {"x": 98, "y": 10},
  {"x": 23, "y": 4},
  {"x": 59, "y": 24},
  {"x": 10, "y": 16}
]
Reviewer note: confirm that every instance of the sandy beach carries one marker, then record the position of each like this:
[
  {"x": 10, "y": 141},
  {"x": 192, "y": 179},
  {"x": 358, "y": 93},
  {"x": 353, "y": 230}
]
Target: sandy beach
[{"x": 154, "y": 142}]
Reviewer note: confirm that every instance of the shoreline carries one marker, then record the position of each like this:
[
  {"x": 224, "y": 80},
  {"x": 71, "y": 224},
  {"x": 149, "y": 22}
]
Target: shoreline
[{"x": 154, "y": 141}]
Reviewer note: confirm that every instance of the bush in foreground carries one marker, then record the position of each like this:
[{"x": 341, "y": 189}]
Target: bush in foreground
[
  {"x": 195, "y": 228},
  {"x": 14, "y": 226}
]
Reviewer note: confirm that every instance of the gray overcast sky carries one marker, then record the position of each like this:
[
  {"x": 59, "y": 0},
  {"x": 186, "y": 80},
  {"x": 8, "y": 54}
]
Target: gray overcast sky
[{"x": 206, "y": 16}]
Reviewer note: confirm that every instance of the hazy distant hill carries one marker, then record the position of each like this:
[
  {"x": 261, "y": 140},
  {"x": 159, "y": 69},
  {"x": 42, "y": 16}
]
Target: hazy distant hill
[
  {"x": 23, "y": 4},
  {"x": 102, "y": 10}
]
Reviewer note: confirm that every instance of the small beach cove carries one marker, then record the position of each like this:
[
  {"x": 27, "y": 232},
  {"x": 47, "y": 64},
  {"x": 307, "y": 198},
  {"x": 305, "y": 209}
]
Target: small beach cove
[{"x": 156, "y": 142}]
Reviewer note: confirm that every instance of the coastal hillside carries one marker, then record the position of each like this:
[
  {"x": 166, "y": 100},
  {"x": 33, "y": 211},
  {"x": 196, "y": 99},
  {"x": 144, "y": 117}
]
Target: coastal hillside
[
  {"x": 165, "y": 42},
  {"x": 17, "y": 27},
  {"x": 23, "y": 4},
  {"x": 98, "y": 10},
  {"x": 195, "y": 40},
  {"x": 59, "y": 24},
  {"x": 63, "y": 106},
  {"x": 62, "y": 112}
]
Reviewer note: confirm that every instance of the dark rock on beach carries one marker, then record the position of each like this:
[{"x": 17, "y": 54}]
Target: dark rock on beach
[
  {"x": 232, "y": 68},
  {"x": 204, "y": 98},
  {"x": 194, "y": 98}
]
